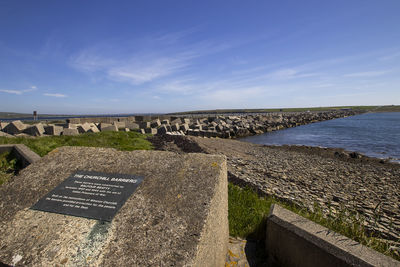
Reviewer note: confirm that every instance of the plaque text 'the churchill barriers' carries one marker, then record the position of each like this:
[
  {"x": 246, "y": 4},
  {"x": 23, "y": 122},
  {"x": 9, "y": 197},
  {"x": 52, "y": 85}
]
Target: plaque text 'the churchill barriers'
[{"x": 93, "y": 195}]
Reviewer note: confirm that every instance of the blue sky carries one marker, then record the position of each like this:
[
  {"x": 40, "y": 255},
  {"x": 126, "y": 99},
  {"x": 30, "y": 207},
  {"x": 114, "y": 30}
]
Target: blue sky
[{"x": 88, "y": 57}]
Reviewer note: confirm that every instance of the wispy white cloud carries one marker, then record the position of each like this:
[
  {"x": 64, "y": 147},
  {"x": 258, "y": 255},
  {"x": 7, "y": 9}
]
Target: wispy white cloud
[
  {"x": 55, "y": 95},
  {"x": 140, "y": 70},
  {"x": 163, "y": 56},
  {"x": 18, "y": 92},
  {"x": 287, "y": 74},
  {"x": 367, "y": 74}
]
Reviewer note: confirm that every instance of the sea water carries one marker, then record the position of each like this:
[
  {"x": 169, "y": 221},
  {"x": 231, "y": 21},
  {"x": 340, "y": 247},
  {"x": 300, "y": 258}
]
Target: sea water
[{"x": 372, "y": 134}]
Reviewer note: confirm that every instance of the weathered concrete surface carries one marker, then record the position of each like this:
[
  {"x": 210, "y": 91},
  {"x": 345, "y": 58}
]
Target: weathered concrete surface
[
  {"x": 21, "y": 152},
  {"x": 53, "y": 130},
  {"x": 35, "y": 130},
  {"x": 112, "y": 128},
  {"x": 296, "y": 241},
  {"x": 14, "y": 127},
  {"x": 70, "y": 131},
  {"x": 177, "y": 216},
  {"x": 6, "y": 134}
]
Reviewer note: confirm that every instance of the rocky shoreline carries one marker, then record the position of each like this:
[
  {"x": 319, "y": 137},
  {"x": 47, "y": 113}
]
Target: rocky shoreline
[{"x": 332, "y": 178}]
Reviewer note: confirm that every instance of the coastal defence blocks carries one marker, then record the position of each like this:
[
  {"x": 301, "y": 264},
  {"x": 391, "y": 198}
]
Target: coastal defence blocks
[{"x": 178, "y": 214}]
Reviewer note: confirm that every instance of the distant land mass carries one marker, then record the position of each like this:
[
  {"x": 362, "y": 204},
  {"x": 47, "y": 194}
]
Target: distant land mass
[{"x": 386, "y": 108}]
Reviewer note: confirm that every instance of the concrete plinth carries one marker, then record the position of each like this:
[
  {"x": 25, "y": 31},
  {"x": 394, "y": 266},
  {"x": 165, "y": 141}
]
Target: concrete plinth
[{"x": 178, "y": 216}]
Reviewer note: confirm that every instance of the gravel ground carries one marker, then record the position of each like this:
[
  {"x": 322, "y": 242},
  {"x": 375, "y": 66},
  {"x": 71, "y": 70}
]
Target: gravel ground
[{"x": 333, "y": 178}]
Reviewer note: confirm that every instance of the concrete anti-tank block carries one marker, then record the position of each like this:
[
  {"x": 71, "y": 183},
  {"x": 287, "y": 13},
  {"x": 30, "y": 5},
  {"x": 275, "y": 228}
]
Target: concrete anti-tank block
[
  {"x": 15, "y": 127},
  {"x": 155, "y": 123},
  {"x": 69, "y": 131},
  {"x": 104, "y": 125},
  {"x": 151, "y": 131},
  {"x": 120, "y": 124},
  {"x": 132, "y": 126},
  {"x": 175, "y": 127},
  {"x": 292, "y": 240},
  {"x": 3, "y": 125},
  {"x": 53, "y": 130},
  {"x": 93, "y": 129},
  {"x": 111, "y": 128},
  {"x": 184, "y": 127},
  {"x": 83, "y": 128},
  {"x": 162, "y": 129},
  {"x": 35, "y": 130},
  {"x": 144, "y": 125}
]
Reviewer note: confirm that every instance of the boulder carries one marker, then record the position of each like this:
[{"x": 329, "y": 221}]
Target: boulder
[{"x": 15, "y": 127}]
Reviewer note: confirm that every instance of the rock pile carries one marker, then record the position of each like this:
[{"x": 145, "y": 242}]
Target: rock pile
[{"x": 213, "y": 126}]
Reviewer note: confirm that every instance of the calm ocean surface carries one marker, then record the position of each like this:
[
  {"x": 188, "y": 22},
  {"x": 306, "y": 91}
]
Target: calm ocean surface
[{"x": 372, "y": 134}]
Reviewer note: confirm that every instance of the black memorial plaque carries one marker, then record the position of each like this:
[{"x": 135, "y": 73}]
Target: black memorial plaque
[{"x": 93, "y": 195}]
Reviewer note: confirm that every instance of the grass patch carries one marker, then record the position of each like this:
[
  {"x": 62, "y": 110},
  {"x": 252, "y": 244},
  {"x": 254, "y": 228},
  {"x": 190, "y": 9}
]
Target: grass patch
[
  {"x": 248, "y": 213},
  {"x": 9, "y": 166},
  {"x": 119, "y": 140}
]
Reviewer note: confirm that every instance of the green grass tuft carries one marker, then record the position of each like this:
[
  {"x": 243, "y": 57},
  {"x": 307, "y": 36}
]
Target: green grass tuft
[
  {"x": 247, "y": 212},
  {"x": 9, "y": 165},
  {"x": 118, "y": 140}
]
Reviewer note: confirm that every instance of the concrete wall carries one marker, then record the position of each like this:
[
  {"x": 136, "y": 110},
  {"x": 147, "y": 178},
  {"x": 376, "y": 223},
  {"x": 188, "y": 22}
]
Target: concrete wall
[
  {"x": 292, "y": 240},
  {"x": 21, "y": 152}
]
